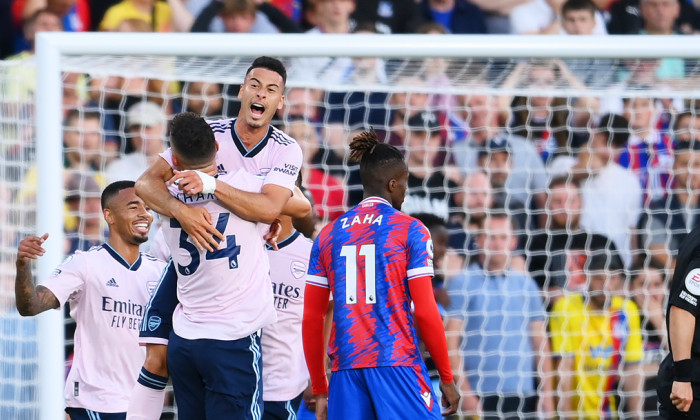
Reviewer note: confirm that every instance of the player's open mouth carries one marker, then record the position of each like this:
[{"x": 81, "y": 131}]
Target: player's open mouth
[
  {"x": 141, "y": 227},
  {"x": 257, "y": 109}
]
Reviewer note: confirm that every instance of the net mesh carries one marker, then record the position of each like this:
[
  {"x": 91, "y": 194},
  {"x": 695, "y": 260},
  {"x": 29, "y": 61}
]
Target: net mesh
[{"x": 546, "y": 110}]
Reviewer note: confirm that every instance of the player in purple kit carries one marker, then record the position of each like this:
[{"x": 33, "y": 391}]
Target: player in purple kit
[
  {"x": 375, "y": 261},
  {"x": 107, "y": 288}
]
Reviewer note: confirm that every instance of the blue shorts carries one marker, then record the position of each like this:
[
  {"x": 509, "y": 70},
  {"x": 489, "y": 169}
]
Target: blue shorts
[
  {"x": 217, "y": 379},
  {"x": 158, "y": 317},
  {"x": 399, "y": 392},
  {"x": 282, "y": 410},
  {"x": 83, "y": 414}
]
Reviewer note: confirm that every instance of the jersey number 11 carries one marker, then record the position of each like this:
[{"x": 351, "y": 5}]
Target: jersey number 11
[{"x": 350, "y": 254}]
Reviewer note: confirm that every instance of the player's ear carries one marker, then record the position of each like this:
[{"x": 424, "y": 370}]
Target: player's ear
[
  {"x": 176, "y": 163},
  {"x": 392, "y": 185},
  {"x": 280, "y": 105},
  {"x": 109, "y": 216},
  {"x": 217, "y": 146}
]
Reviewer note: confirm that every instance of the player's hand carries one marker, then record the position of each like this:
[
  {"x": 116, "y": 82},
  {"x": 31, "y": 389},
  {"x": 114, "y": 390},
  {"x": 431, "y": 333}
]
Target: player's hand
[
  {"x": 309, "y": 398},
  {"x": 189, "y": 182},
  {"x": 450, "y": 398},
  {"x": 321, "y": 407},
  {"x": 274, "y": 234},
  {"x": 196, "y": 222},
  {"x": 30, "y": 248},
  {"x": 470, "y": 405},
  {"x": 682, "y": 395}
]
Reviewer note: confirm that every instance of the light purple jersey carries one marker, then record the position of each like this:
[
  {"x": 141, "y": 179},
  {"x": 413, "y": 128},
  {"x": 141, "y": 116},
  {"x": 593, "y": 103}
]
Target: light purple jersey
[
  {"x": 284, "y": 369},
  {"x": 225, "y": 294},
  {"x": 277, "y": 157},
  {"x": 107, "y": 297}
]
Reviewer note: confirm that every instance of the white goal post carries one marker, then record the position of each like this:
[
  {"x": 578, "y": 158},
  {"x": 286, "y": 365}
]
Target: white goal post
[{"x": 52, "y": 48}]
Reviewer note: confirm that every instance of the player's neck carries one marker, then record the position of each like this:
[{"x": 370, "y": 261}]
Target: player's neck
[
  {"x": 250, "y": 136},
  {"x": 129, "y": 252},
  {"x": 384, "y": 196}
]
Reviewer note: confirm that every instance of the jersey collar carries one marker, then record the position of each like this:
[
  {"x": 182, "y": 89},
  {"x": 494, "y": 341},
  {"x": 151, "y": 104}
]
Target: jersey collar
[
  {"x": 133, "y": 267},
  {"x": 374, "y": 200},
  {"x": 288, "y": 241},
  {"x": 241, "y": 147}
]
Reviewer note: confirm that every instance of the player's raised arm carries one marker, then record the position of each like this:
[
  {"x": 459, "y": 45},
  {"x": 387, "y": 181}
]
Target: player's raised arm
[
  {"x": 31, "y": 299},
  {"x": 196, "y": 222}
]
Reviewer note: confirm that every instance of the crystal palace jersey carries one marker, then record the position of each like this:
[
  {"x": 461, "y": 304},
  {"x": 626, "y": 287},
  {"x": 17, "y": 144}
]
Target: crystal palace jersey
[
  {"x": 367, "y": 257},
  {"x": 284, "y": 369},
  {"x": 277, "y": 157},
  {"x": 225, "y": 294},
  {"x": 107, "y": 298}
]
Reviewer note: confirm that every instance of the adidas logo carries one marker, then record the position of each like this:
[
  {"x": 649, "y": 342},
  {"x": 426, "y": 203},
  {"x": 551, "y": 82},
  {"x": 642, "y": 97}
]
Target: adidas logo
[
  {"x": 112, "y": 283},
  {"x": 220, "y": 169},
  {"x": 426, "y": 398}
]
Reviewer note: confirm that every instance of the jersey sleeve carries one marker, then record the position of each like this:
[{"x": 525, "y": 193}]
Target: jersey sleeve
[
  {"x": 168, "y": 157},
  {"x": 68, "y": 280},
  {"x": 285, "y": 167},
  {"x": 684, "y": 294},
  {"x": 564, "y": 340},
  {"x": 317, "y": 274},
  {"x": 420, "y": 251}
]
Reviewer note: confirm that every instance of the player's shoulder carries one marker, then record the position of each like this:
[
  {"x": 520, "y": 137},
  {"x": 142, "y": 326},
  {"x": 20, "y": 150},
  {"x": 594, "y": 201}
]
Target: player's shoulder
[
  {"x": 221, "y": 126},
  {"x": 150, "y": 259},
  {"x": 281, "y": 138}
]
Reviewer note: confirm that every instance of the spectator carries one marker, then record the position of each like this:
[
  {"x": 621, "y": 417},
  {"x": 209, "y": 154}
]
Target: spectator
[
  {"x": 471, "y": 130},
  {"x": 496, "y": 160},
  {"x": 648, "y": 290},
  {"x": 555, "y": 125},
  {"x": 670, "y": 219},
  {"x": 83, "y": 203},
  {"x": 244, "y": 16},
  {"x": 555, "y": 257},
  {"x": 146, "y": 123},
  {"x": 497, "y": 13},
  {"x": 458, "y": 16},
  {"x": 157, "y": 14},
  {"x": 498, "y": 353},
  {"x": 478, "y": 199},
  {"x": 327, "y": 191},
  {"x": 389, "y": 17},
  {"x": 579, "y": 18},
  {"x": 603, "y": 180},
  {"x": 597, "y": 338},
  {"x": 659, "y": 19},
  {"x": 626, "y": 16},
  {"x": 649, "y": 152},
  {"x": 430, "y": 190},
  {"x": 545, "y": 17},
  {"x": 73, "y": 14}
]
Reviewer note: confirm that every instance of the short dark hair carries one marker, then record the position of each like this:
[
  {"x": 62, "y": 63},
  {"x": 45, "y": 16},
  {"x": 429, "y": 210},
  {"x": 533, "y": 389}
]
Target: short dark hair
[
  {"x": 77, "y": 115},
  {"x": 559, "y": 181},
  {"x": 616, "y": 128},
  {"x": 578, "y": 5},
  {"x": 375, "y": 158},
  {"x": 600, "y": 261},
  {"x": 271, "y": 64},
  {"x": 677, "y": 120},
  {"x": 191, "y": 138},
  {"x": 112, "y": 190}
]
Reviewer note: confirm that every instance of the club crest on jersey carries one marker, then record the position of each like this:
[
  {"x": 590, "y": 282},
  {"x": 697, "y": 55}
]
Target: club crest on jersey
[
  {"x": 427, "y": 398},
  {"x": 153, "y": 323},
  {"x": 298, "y": 269},
  {"x": 692, "y": 281},
  {"x": 429, "y": 247},
  {"x": 151, "y": 286}
]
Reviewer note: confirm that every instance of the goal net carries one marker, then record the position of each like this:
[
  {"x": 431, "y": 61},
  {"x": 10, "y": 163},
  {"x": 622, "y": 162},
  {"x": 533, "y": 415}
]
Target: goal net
[{"x": 489, "y": 125}]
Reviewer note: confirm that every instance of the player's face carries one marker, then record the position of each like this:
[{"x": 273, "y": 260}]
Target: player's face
[
  {"x": 398, "y": 193},
  {"x": 261, "y": 96},
  {"x": 131, "y": 217}
]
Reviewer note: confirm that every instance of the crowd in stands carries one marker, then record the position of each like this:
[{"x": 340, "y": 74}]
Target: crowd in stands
[{"x": 559, "y": 213}]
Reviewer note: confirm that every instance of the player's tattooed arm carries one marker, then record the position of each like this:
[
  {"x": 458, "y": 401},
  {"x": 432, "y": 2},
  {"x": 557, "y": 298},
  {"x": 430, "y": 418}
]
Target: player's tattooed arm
[{"x": 31, "y": 299}]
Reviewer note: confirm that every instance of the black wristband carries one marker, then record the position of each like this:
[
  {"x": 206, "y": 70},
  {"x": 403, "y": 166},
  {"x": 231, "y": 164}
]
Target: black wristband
[{"x": 682, "y": 370}]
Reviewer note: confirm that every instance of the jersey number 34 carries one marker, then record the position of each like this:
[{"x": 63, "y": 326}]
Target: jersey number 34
[{"x": 231, "y": 251}]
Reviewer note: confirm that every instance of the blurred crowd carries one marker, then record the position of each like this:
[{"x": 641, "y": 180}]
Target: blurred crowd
[{"x": 551, "y": 215}]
